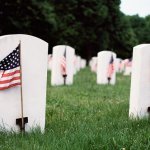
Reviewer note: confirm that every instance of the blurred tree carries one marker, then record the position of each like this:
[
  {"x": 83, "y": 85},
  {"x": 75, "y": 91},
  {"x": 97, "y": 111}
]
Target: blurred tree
[
  {"x": 118, "y": 31},
  {"x": 80, "y": 24},
  {"x": 138, "y": 25},
  {"x": 125, "y": 38},
  {"x": 89, "y": 26},
  {"x": 27, "y": 17},
  {"x": 94, "y": 25},
  {"x": 141, "y": 27},
  {"x": 147, "y": 30}
]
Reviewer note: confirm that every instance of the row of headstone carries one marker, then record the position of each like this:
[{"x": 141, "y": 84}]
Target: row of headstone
[
  {"x": 24, "y": 62},
  {"x": 26, "y": 105},
  {"x": 64, "y": 64},
  {"x": 123, "y": 66},
  {"x": 106, "y": 65},
  {"x": 140, "y": 77},
  {"x": 120, "y": 66}
]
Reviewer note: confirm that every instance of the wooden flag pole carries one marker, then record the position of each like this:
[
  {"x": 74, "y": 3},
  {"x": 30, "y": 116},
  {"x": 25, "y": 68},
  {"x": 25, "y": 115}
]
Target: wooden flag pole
[
  {"x": 22, "y": 116},
  {"x": 23, "y": 120},
  {"x": 109, "y": 80},
  {"x": 65, "y": 75}
]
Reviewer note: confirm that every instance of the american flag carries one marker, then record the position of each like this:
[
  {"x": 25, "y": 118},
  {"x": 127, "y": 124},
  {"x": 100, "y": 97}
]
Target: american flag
[
  {"x": 10, "y": 70},
  {"x": 110, "y": 68},
  {"x": 63, "y": 65}
]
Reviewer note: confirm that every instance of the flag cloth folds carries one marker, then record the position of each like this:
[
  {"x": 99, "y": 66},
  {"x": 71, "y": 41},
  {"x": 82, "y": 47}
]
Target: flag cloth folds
[
  {"x": 63, "y": 65},
  {"x": 110, "y": 68},
  {"x": 10, "y": 74}
]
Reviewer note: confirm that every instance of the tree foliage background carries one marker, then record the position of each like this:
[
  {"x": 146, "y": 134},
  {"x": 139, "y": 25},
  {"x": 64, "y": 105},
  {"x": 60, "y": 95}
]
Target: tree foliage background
[{"x": 89, "y": 26}]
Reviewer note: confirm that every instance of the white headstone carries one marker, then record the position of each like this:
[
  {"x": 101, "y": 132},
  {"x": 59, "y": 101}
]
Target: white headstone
[
  {"x": 118, "y": 64},
  {"x": 58, "y": 53},
  {"x": 83, "y": 63},
  {"x": 34, "y": 76},
  {"x": 128, "y": 67},
  {"x": 104, "y": 58},
  {"x": 122, "y": 66},
  {"x": 140, "y": 82}
]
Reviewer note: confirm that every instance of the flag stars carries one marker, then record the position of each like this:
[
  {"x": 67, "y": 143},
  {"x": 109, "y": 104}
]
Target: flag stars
[{"x": 11, "y": 61}]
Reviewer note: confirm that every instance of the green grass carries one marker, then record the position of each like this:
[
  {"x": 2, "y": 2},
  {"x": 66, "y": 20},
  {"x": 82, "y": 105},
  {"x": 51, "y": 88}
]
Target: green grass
[{"x": 85, "y": 116}]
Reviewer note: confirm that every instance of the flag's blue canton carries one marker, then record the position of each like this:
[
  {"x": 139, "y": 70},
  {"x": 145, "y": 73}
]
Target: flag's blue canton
[{"x": 11, "y": 61}]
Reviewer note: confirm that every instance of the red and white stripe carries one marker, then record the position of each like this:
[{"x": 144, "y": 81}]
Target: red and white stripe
[
  {"x": 10, "y": 78},
  {"x": 110, "y": 70},
  {"x": 63, "y": 66}
]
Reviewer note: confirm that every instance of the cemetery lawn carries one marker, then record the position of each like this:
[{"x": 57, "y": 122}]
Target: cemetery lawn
[{"x": 85, "y": 116}]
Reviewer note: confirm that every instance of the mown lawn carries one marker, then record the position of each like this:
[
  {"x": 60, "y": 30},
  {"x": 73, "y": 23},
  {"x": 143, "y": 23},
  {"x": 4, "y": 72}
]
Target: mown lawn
[{"x": 85, "y": 116}]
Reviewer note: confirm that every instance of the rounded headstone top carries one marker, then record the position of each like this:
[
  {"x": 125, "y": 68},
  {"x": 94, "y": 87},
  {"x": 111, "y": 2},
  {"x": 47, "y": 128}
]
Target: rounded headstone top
[
  {"x": 22, "y": 35},
  {"x": 141, "y": 46},
  {"x": 106, "y": 52},
  {"x": 60, "y": 46}
]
